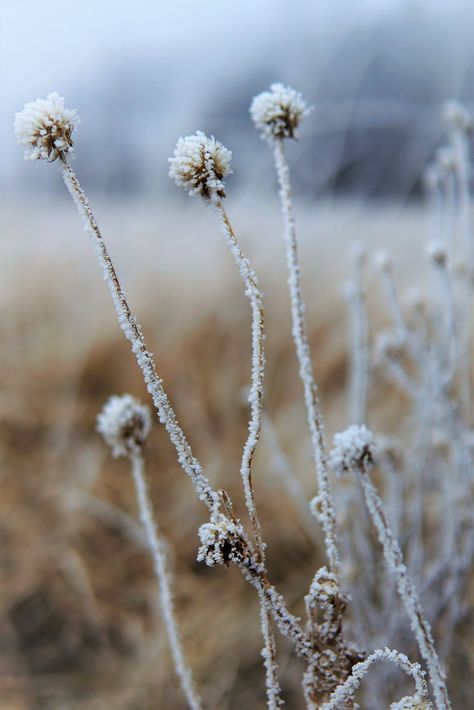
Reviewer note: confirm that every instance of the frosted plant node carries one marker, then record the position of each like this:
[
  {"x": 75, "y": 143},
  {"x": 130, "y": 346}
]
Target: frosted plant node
[
  {"x": 45, "y": 128},
  {"x": 124, "y": 423},
  {"x": 200, "y": 164},
  {"x": 352, "y": 448},
  {"x": 221, "y": 542},
  {"x": 277, "y": 113}
]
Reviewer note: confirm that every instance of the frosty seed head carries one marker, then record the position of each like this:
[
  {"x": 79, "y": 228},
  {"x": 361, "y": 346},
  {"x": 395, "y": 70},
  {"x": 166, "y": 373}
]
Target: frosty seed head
[
  {"x": 200, "y": 164},
  {"x": 437, "y": 253},
  {"x": 389, "y": 345},
  {"x": 352, "y": 448},
  {"x": 457, "y": 116},
  {"x": 45, "y": 128},
  {"x": 446, "y": 158},
  {"x": 124, "y": 423},
  {"x": 277, "y": 113},
  {"x": 221, "y": 542}
]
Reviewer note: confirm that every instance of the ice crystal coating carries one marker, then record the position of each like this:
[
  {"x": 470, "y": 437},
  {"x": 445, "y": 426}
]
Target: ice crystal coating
[
  {"x": 221, "y": 542},
  {"x": 200, "y": 164},
  {"x": 277, "y": 113},
  {"x": 124, "y": 423},
  {"x": 457, "y": 116},
  {"x": 352, "y": 448},
  {"x": 45, "y": 128}
]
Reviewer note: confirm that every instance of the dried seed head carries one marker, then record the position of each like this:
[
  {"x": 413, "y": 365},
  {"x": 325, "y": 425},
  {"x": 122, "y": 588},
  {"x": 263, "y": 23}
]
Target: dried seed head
[
  {"x": 45, "y": 128},
  {"x": 124, "y": 423},
  {"x": 200, "y": 164},
  {"x": 457, "y": 116},
  {"x": 222, "y": 541},
  {"x": 389, "y": 345},
  {"x": 437, "y": 252},
  {"x": 277, "y": 113},
  {"x": 352, "y": 448}
]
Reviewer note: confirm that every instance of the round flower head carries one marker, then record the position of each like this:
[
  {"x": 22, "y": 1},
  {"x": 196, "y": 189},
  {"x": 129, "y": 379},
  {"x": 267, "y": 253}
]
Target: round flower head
[
  {"x": 200, "y": 164},
  {"x": 277, "y": 113},
  {"x": 45, "y": 128},
  {"x": 352, "y": 448},
  {"x": 124, "y": 423}
]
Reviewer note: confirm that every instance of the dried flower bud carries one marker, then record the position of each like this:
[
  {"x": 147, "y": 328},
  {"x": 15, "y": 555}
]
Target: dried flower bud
[
  {"x": 222, "y": 541},
  {"x": 277, "y": 113},
  {"x": 124, "y": 423},
  {"x": 45, "y": 128},
  {"x": 389, "y": 345},
  {"x": 200, "y": 164},
  {"x": 352, "y": 448},
  {"x": 436, "y": 251},
  {"x": 457, "y": 116}
]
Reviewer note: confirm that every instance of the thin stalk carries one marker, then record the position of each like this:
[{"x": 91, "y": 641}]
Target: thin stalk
[
  {"x": 158, "y": 553},
  {"x": 253, "y": 293},
  {"x": 133, "y": 332},
  {"x": 315, "y": 423}
]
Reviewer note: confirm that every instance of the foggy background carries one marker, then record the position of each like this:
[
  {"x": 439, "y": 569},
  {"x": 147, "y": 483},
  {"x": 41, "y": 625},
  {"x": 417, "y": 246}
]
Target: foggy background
[{"x": 142, "y": 74}]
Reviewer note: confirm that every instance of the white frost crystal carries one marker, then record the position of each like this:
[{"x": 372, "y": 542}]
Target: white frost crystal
[
  {"x": 200, "y": 164},
  {"x": 352, "y": 448},
  {"x": 277, "y": 113},
  {"x": 221, "y": 542},
  {"x": 124, "y": 423},
  {"x": 45, "y": 128}
]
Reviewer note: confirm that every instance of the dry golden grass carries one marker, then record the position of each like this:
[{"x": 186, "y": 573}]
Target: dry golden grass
[{"x": 79, "y": 619}]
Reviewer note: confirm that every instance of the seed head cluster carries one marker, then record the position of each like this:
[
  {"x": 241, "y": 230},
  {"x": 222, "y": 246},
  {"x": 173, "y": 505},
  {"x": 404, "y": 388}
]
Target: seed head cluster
[
  {"x": 45, "y": 128},
  {"x": 352, "y": 448},
  {"x": 277, "y": 113},
  {"x": 221, "y": 542},
  {"x": 124, "y": 423},
  {"x": 200, "y": 164}
]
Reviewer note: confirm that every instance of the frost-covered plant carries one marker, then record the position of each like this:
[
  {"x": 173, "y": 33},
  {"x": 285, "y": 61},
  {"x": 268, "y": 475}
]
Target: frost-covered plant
[
  {"x": 124, "y": 424},
  {"x": 45, "y": 128},
  {"x": 200, "y": 164},
  {"x": 425, "y": 352},
  {"x": 353, "y": 452},
  {"x": 278, "y": 113}
]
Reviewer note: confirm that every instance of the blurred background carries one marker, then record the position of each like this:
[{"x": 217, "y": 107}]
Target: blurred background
[{"x": 79, "y": 618}]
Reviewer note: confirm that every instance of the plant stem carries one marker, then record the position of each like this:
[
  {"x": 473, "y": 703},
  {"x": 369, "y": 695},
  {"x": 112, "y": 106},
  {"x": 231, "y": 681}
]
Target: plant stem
[
  {"x": 158, "y": 554},
  {"x": 328, "y": 515}
]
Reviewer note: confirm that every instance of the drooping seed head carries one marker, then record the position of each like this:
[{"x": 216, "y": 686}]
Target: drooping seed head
[
  {"x": 45, "y": 128},
  {"x": 200, "y": 164},
  {"x": 278, "y": 113},
  {"x": 352, "y": 448},
  {"x": 124, "y": 423}
]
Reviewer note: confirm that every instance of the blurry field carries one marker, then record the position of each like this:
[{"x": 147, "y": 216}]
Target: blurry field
[{"x": 79, "y": 619}]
